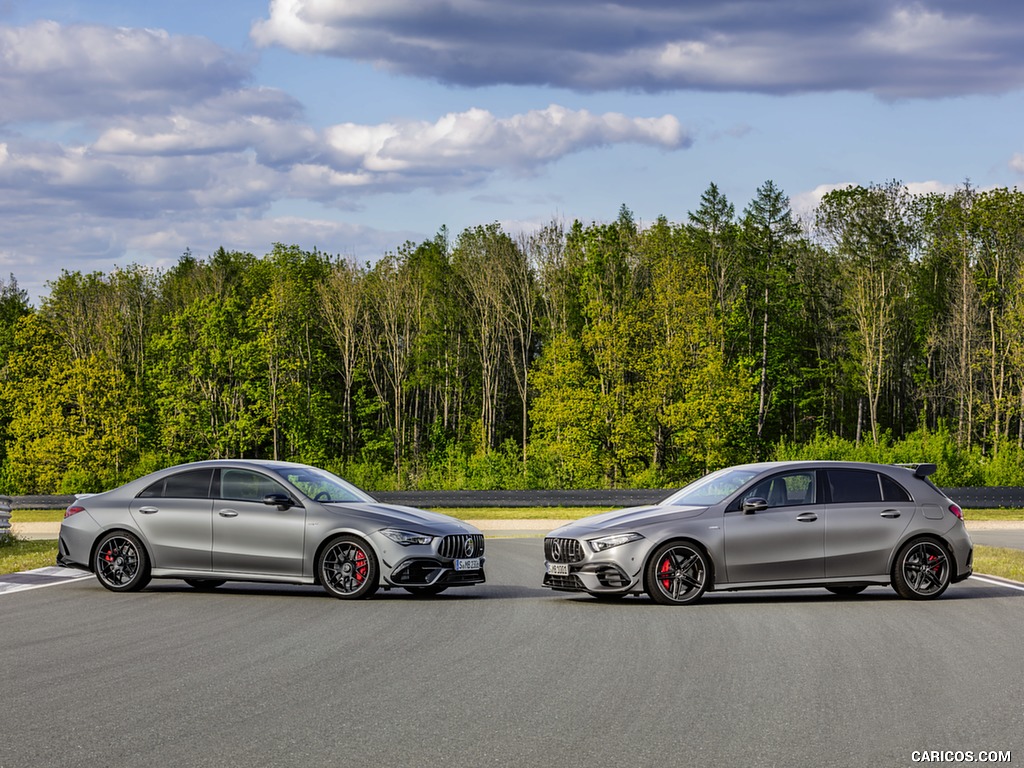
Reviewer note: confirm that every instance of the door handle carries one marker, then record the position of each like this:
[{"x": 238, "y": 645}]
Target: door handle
[
  {"x": 807, "y": 517},
  {"x": 148, "y": 510},
  {"x": 228, "y": 513},
  {"x": 892, "y": 514}
]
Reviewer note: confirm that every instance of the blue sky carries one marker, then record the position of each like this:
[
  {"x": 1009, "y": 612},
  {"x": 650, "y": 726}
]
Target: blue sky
[{"x": 130, "y": 132}]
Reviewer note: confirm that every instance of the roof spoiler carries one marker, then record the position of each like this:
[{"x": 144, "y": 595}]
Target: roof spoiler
[{"x": 920, "y": 470}]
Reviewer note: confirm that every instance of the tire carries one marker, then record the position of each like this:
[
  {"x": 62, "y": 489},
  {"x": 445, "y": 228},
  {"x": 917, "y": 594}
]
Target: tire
[
  {"x": 677, "y": 573},
  {"x": 922, "y": 570},
  {"x": 347, "y": 568},
  {"x": 120, "y": 562},
  {"x": 847, "y": 591},
  {"x": 204, "y": 585},
  {"x": 428, "y": 591}
]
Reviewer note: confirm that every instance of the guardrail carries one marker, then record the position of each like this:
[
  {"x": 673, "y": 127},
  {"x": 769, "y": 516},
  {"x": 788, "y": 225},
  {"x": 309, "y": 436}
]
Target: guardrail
[
  {"x": 976, "y": 498},
  {"x": 5, "y": 516}
]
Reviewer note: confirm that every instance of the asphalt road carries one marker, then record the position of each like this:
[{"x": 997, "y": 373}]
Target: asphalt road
[{"x": 506, "y": 674}]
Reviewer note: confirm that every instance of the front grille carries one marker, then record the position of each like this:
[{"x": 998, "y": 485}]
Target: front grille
[
  {"x": 563, "y": 550},
  {"x": 566, "y": 583},
  {"x": 455, "y": 547}
]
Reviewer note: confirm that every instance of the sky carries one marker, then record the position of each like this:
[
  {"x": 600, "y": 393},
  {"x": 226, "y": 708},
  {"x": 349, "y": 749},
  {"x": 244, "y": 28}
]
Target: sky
[{"x": 132, "y": 132}]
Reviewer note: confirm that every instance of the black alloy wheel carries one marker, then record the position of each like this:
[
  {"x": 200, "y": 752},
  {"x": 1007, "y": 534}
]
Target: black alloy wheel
[
  {"x": 922, "y": 571},
  {"x": 677, "y": 574},
  {"x": 348, "y": 568},
  {"x": 120, "y": 562}
]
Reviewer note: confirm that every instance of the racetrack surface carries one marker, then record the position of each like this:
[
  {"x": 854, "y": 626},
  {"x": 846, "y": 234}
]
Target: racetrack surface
[{"x": 505, "y": 674}]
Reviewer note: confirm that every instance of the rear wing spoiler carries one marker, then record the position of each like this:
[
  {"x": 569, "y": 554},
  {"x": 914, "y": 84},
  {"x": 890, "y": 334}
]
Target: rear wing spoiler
[{"x": 920, "y": 470}]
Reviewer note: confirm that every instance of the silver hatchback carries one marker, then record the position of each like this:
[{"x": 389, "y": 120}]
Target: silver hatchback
[
  {"x": 839, "y": 525},
  {"x": 216, "y": 521}
]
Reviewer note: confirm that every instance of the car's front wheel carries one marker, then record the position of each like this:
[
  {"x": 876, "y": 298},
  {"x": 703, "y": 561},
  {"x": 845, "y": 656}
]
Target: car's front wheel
[
  {"x": 348, "y": 568},
  {"x": 121, "y": 563},
  {"x": 677, "y": 573},
  {"x": 922, "y": 570}
]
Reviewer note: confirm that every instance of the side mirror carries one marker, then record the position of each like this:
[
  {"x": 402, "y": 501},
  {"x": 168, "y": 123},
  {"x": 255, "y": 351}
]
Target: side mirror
[
  {"x": 754, "y": 504},
  {"x": 279, "y": 500}
]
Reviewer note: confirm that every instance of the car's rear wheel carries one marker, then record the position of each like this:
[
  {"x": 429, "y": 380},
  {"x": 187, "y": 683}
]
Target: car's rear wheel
[
  {"x": 847, "y": 591},
  {"x": 677, "y": 573},
  {"x": 427, "y": 591},
  {"x": 348, "y": 568},
  {"x": 922, "y": 570},
  {"x": 204, "y": 584},
  {"x": 121, "y": 563}
]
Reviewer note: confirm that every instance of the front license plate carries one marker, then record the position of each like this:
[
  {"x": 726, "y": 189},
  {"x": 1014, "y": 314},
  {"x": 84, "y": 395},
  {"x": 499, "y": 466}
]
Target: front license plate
[
  {"x": 469, "y": 564},
  {"x": 558, "y": 569}
]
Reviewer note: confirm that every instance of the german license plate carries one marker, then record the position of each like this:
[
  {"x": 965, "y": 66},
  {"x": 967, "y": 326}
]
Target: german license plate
[
  {"x": 468, "y": 564},
  {"x": 558, "y": 569}
]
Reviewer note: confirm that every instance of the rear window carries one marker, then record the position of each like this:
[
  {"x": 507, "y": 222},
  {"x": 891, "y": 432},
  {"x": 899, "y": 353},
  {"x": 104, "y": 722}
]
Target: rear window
[
  {"x": 853, "y": 485},
  {"x": 193, "y": 484},
  {"x": 893, "y": 491}
]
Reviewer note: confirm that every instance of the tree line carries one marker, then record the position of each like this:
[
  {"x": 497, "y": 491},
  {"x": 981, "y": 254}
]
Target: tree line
[{"x": 888, "y": 327}]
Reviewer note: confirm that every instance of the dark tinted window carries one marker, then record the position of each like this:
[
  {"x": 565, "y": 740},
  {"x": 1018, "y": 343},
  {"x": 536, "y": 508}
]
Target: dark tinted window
[
  {"x": 785, "y": 490},
  {"x": 893, "y": 491},
  {"x": 245, "y": 485},
  {"x": 851, "y": 485},
  {"x": 193, "y": 484}
]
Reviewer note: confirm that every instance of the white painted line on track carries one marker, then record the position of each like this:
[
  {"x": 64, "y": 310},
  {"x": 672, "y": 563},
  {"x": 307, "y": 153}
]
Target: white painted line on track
[
  {"x": 40, "y": 577},
  {"x": 1000, "y": 582}
]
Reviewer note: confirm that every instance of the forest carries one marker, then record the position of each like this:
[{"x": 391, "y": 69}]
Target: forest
[{"x": 887, "y": 327}]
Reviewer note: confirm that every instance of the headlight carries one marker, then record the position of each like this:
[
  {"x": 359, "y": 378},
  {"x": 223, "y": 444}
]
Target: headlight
[
  {"x": 407, "y": 538},
  {"x": 616, "y": 540}
]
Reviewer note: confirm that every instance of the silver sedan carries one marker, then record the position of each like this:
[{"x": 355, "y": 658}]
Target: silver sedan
[
  {"x": 839, "y": 525},
  {"x": 216, "y": 521}
]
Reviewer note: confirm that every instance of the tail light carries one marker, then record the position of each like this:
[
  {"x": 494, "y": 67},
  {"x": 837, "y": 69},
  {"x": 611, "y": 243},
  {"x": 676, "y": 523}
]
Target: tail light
[
  {"x": 956, "y": 511},
  {"x": 72, "y": 511}
]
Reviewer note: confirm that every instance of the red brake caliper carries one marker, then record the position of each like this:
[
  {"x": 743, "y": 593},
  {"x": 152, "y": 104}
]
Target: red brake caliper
[
  {"x": 360, "y": 565},
  {"x": 666, "y": 566}
]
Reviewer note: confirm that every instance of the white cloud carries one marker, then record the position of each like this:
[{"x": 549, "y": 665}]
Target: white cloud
[
  {"x": 51, "y": 72},
  {"x": 891, "y": 48}
]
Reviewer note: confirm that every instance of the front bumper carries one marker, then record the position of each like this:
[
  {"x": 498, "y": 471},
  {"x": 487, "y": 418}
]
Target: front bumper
[
  {"x": 588, "y": 577},
  {"x": 571, "y": 565},
  {"x": 453, "y": 560},
  {"x": 428, "y": 571}
]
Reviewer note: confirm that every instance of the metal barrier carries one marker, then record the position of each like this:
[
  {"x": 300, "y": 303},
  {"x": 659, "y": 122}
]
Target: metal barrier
[{"x": 5, "y": 515}]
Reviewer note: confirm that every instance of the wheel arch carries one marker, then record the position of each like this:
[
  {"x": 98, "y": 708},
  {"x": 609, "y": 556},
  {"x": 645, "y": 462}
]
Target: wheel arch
[
  {"x": 333, "y": 536},
  {"x": 913, "y": 538},
  {"x": 712, "y": 565},
  {"x": 119, "y": 529}
]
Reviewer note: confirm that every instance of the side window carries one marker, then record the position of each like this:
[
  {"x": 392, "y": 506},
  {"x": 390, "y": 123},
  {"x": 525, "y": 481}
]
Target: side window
[
  {"x": 788, "y": 490},
  {"x": 194, "y": 484},
  {"x": 893, "y": 491},
  {"x": 245, "y": 485},
  {"x": 854, "y": 485}
]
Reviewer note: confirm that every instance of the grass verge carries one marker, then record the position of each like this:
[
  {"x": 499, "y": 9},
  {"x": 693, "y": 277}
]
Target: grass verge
[{"x": 19, "y": 555}]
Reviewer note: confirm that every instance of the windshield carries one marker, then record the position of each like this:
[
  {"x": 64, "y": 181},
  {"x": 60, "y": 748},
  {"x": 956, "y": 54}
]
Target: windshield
[
  {"x": 321, "y": 485},
  {"x": 711, "y": 489}
]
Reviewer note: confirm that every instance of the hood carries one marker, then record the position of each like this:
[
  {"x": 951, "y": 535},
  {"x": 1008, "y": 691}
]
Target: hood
[
  {"x": 418, "y": 520},
  {"x": 631, "y": 518}
]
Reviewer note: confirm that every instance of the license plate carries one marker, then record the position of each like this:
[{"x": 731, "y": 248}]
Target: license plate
[
  {"x": 558, "y": 569},
  {"x": 468, "y": 564}
]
